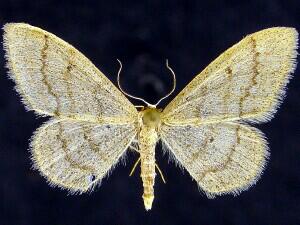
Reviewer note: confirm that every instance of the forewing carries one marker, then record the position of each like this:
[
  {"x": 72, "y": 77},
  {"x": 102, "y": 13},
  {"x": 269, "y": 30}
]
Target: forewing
[
  {"x": 245, "y": 83},
  {"x": 222, "y": 158},
  {"x": 76, "y": 155},
  {"x": 55, "y": 79}
]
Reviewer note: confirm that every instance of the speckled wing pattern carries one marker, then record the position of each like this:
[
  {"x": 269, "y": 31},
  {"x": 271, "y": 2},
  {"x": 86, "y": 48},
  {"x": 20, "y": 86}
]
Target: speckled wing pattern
[
  {"x": 221, "y": 157},
  {"x": 205, "y": 125},
  {"x": 54, "y": 79},
  {"x": 76, "y": 155}
]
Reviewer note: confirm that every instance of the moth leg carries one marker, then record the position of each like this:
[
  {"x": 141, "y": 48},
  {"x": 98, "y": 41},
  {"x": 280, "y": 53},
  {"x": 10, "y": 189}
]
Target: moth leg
[
  {"x": 135, "y": 165},
  {"x": 139, "y": 159},
  {"x": 160, "y": 172},
  {"x": 134, "y": 148}
]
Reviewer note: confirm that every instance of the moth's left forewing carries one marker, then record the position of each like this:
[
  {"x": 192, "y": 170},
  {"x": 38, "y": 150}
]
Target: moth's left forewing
[{"x": 55, "y": 79}]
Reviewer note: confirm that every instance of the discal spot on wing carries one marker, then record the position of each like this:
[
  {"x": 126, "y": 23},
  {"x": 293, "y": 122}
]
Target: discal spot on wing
[
  {"x": 77, "y": 155},
  {"x": 222, "y": 158}
]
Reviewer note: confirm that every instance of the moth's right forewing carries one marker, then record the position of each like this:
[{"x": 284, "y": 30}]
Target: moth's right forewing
[
  {"x": 76, "y": 155},
  {"x": 55, "y": 79},
  {"x": 247, "y": 82}
]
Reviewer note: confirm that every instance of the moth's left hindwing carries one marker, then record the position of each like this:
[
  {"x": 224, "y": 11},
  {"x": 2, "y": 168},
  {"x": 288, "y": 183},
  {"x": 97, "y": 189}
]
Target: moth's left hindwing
[
  {"x": 94, "y": 122},
  {"x": 76, "y": 155}
]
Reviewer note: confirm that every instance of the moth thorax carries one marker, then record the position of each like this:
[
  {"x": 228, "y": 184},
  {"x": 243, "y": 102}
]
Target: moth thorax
[{"x": 151, "y": 117}]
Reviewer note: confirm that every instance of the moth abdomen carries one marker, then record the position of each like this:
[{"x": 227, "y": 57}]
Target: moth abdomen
[{"x": 147, "y": 141}]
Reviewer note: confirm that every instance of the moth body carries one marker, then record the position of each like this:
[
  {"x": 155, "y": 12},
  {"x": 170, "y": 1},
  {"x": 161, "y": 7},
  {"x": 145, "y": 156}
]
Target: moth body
[
  {"x": 207, "y": 127},
  {"x": 148, "y": 137}
]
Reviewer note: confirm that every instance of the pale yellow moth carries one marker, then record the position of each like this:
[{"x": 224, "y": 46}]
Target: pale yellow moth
[{"x": 205, "y": 128}]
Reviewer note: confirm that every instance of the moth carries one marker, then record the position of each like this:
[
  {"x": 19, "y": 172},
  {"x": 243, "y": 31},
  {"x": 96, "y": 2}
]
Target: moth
[{"x": 206, "y": 127}]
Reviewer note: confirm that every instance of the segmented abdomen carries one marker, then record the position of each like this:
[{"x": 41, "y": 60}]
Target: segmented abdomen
[{"x": 147, "y": 141}]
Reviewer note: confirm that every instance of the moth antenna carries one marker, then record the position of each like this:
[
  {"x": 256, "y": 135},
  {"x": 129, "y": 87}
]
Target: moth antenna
[
  {"x": 174, "y": 83},
  {"x": 124, "y": 92}
]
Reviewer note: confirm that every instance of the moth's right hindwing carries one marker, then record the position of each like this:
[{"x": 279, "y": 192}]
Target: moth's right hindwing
[{"x": 222, "y": 158}]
